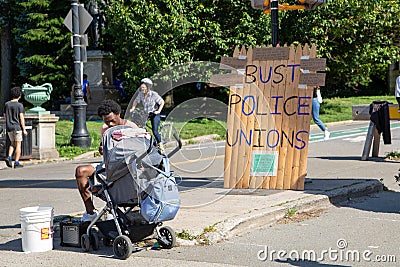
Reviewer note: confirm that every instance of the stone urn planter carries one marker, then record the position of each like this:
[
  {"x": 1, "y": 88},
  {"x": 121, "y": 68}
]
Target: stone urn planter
[{"x": 37, "y": 95}]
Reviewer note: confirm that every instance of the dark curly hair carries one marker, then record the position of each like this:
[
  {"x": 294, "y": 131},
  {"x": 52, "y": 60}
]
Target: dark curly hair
[
  {"x": 16, "y": 92},
  {"x": 108, "y": 106}
]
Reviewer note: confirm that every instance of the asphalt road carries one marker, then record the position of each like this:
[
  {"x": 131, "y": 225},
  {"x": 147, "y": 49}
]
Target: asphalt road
[{"x": 361, "y": 232}]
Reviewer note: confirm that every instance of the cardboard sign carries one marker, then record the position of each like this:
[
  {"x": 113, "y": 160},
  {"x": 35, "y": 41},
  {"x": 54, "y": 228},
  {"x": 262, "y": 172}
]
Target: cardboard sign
[
  {"x": 268, "y": 119},
  {"x": 226, "y": 79},
  {"x": 271, "y": 53},
  {"x": 312, "y": 79},
  {"x": 313, "y": 64},
  {"x": 230, "y": 62}
]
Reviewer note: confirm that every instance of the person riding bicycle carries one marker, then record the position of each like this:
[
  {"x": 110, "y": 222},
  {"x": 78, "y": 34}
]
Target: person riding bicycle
[{"x": 152, "y": 104}]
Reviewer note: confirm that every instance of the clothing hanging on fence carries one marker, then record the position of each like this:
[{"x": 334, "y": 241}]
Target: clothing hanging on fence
[{"x": 379, "y": 111}]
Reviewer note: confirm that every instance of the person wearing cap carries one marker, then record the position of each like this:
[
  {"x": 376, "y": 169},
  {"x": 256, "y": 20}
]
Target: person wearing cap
[{"x": 152, "y": 104}]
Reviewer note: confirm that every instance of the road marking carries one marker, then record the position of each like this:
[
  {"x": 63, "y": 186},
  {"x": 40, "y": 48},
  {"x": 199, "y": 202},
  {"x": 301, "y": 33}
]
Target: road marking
[
  {"x": 197, "y": 160},
  {"x": 319, "y": 137},
  {"x": 357, "y": 139},
  {"x": 203, "y": 147}
]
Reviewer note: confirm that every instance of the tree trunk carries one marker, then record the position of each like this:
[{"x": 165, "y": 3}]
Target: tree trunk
[{"x": 6, "y": 66}]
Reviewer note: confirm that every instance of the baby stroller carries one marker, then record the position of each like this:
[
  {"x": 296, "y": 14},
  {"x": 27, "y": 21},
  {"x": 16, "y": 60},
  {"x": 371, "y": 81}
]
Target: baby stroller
[{"x": 140, "y": 192}]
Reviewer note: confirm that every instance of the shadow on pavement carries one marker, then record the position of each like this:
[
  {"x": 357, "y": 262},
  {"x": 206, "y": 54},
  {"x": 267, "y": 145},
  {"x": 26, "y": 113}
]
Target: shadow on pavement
[
  {"x": 188, "y": 183},
  {"x": 382, "y": 203},
  {"x": 356, "y": 158},
  {"x": 342, "y": 194},
  {"x": 17, "y": 183},
  {"x": 307, "y": 263}
]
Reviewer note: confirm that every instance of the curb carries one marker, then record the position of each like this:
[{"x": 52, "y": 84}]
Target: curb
[{"x": 269, "y": 215}]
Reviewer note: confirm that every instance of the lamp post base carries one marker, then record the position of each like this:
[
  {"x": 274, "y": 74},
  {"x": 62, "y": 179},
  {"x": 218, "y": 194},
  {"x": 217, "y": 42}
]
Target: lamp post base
[{"x": 80, "y": 136}]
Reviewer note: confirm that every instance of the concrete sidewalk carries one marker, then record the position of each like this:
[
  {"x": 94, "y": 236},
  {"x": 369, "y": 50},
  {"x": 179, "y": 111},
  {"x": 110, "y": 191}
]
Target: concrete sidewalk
[{"x": 216, "y": 214}]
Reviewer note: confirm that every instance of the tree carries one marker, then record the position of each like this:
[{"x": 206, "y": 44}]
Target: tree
[
  {"x": 148, "y": 36},
  {"x": 357, "y": 37},
  {"x": 44, "y": 46},
  {"x": 6, "y": 51}
]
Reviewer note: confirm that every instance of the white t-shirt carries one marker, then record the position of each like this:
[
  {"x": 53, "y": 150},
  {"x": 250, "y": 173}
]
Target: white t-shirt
[{"x": 397, "y": 87}]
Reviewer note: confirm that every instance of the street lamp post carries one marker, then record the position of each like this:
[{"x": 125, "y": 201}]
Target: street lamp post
[
  {"x": 80, "y": 136},
  {"x": 274, "y": 22}
]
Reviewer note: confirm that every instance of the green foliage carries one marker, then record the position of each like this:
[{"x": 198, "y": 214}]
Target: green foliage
[
  {"x": 149, "y": 36},
  {"x": 44, "y": 51},
  {"x": 5, "y": 13},
  {"x": 357, "y": 37},
  {"x": 145, "y": 37},
  {"x": 291, "y": 211}
]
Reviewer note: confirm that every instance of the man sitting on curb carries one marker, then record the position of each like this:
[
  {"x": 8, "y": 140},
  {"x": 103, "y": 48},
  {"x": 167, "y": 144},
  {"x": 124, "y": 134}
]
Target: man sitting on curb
[{"x": 110, "y": 112}]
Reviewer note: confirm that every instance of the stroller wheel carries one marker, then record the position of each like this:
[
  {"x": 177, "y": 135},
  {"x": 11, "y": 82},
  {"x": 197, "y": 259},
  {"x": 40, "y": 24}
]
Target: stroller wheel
[
  {"x": 167, "y": 237},
  {"x": 95, "y": 240},
  {"x": 122, "y": 247},
  {"x": 85, "y": 242}
]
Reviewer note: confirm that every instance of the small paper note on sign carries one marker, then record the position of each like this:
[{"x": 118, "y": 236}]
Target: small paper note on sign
[
  {"x": 226, "y": 79},
  {"x": 313, "y": 64},
  {"x": 232, "y": 62},
  {"x": 312, "y": 79},
  {"x": 271, "y": 53}
]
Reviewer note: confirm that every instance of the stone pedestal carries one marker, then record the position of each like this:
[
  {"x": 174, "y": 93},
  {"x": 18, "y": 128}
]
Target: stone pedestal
[
  {"x": 99, "y": 70},
  {"x": 43, "y": 135}
]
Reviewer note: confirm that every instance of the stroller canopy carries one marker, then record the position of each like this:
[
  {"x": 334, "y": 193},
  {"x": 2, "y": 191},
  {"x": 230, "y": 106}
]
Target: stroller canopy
[{"x": 122, "y": 146}]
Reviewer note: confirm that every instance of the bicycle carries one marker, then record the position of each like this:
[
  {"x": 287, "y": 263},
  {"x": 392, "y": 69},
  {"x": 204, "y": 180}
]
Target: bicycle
[{"x": 166, "y": 129}]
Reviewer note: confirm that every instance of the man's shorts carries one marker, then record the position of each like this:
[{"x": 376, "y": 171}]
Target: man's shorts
[
  {"x": 15, "y": 136},
  {"x": 98, "y": 166},
  {"x": 98, "y": 169}
]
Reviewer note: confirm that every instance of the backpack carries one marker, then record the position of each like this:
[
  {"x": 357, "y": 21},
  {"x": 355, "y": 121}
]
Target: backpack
[{"x": 160, "y": 201}]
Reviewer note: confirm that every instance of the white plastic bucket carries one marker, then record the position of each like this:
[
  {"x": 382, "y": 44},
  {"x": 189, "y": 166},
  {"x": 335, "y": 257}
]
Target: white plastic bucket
[{"x": 37, "y": 228}]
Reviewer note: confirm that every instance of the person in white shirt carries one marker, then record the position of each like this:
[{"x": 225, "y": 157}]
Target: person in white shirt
[
  {"x": 152, "y": 105},
  {"x": 397, "y": 90},
  {"x": 316, "y": 103}
]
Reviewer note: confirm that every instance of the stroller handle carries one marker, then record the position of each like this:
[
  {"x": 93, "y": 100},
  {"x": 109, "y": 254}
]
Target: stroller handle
[{"x": 176, "y": 149}]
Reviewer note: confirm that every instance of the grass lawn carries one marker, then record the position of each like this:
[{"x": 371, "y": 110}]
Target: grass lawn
[{"x": 340, "y": 109}]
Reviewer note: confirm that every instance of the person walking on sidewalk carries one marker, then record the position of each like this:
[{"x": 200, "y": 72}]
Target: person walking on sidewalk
[
  {"x": 316, "y": 104},
  {"x": 397, "y": 90},
  {"x": 152, "y": 104},
  {"x": 15, "y": 126},
  {"x": 110, "y": 112},
  {"x": 86, "y": 89}
]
